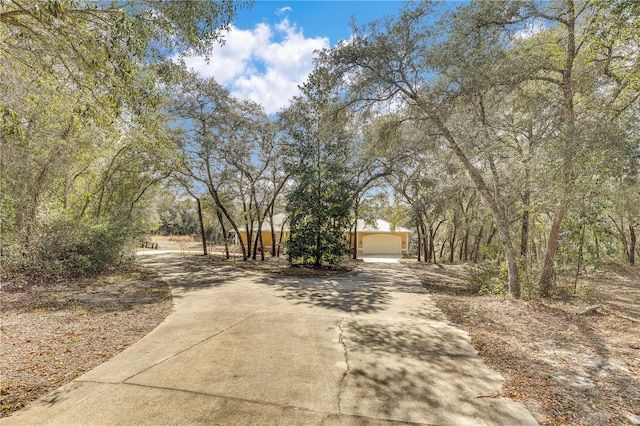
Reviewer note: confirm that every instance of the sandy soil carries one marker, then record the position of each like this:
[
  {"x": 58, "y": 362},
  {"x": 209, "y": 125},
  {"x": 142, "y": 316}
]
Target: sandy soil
[
  {"x": 53, "y": 330},
  {"x": 569, "y": 367}
]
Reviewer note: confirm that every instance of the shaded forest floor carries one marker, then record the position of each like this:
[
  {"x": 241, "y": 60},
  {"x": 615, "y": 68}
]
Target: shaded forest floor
[
  {"x": 53, "y": 330},
  {"x": 569, "y": 367}
]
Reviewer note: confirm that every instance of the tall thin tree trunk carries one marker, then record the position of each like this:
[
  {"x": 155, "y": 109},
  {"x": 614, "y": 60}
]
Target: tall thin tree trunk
[
  {"x": 546, "y": 276},
  {"x": 419, "y": 241},
  {"x": 273, "y": 231},
  {"x": 524, "y": 231},
  {"x": 432, "y": 239},
  {"x": 202, "y": 233},
  {"x": 221, "y": 208},
  {"x": 476, "y": 246},
  {"x": 423, "y": 234},
  {"x": 452, "y": 242},
  {"x": 632, "y": 241},
  {"x": 548, "y": 267},
  {"x": 355, "y": 231},
  {"x": 579, "y": 265},
  {"x": 224, "y": 233},
  {"x": 255, "y": 245}
]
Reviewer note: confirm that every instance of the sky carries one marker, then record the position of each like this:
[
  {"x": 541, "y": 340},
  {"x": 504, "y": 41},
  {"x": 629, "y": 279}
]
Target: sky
[{"x": 269, "y": 50}]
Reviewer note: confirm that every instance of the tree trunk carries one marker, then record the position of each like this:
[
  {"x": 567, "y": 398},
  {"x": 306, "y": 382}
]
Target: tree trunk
[
  {"x": 423, "y": 234},
  {"x": 632, "y": 241},
  {"x": 273, "y": 231},
  {"x": 261, "y": 246},
  {"x": 452, "y": 242},
  {"x": 419, "y": 241},
  {"x": 281, "y": 236},
  {"x": 432, "y": 239},
  {"x": 427, "y": 253},
  {"x": 623, "y": 235},
  {"x": 224, "y": 211},
  {"x": 494, "y": 200},
  {"x": 580, "y": 255},
  {"x": 255, "y": 244},
  {"x": 432, "y": 248},
  {"x": 566, "y": 86},
  {"x": 465, "y": 243},
  {"x": 202, "y": 233},
  {"x": 491, "y": 235},
  {"x": 548, "y": 267},
  {"x": 317, "y": 262},
  {"x": 476, "y": 246},
  {"x": 524, "y": 231},
  {"x": 355, "y": 232},
  {"x": 224, "y": 233}
]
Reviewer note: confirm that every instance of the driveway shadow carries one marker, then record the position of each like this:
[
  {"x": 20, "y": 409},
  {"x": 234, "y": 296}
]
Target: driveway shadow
[
  {"x": 186, "y": 273},
  {"x": 369, "y": 289},
  {"x": 421, "y": 372}
]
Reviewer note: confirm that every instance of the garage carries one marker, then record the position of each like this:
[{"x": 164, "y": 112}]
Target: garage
[{"x": 382, "y": 244}]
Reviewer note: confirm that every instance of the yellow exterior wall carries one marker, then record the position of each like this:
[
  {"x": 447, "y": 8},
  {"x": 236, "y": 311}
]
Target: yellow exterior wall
[
  {"x": 404, "y": 237},
  {"x": 266, "y": 239}
]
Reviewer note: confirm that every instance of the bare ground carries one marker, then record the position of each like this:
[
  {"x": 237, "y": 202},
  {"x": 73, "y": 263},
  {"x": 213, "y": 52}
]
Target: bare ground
[
  {"x": 570, "y": 367},
  {"x": 52, "y": 329}
]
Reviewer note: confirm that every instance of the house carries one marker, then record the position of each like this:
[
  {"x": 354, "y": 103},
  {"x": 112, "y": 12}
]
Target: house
[
  {"x": 379, "y": 237},
  {"x": 280, "y": 227}
]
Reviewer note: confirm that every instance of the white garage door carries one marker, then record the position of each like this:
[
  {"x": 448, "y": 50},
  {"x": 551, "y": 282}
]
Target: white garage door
[{"x": 382, "y": 244}]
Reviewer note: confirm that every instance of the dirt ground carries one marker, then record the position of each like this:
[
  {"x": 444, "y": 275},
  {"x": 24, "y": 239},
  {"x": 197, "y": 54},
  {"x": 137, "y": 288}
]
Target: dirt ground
[
  {"x": 53, "y": 330},
  {"x": 570, "y": 367}
]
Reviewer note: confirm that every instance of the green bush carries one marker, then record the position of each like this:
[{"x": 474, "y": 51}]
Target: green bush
[
  {"x": 68, "y": 247},
  {"x": 489, "y": 278}
]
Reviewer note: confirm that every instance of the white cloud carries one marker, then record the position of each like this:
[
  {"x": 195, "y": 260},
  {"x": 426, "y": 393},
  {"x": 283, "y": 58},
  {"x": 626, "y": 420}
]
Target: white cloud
[
  {"x": 530, "y": 29},
  {"x": 283, "y": 10},
  {"x": 265, "y": 64}
]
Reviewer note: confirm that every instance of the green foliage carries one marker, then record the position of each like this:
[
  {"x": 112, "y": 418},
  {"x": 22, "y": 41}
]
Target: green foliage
[
  {"x": 589, "y": 291},
  {"x": 83, "y": 143},
  {"x": 68, "y": 247},
  {"x": 177, "y": 217},
  {"x": 320, "y": 204},
  {"x": 319, "y": 209},
  {"x": 489, "y": 278}
]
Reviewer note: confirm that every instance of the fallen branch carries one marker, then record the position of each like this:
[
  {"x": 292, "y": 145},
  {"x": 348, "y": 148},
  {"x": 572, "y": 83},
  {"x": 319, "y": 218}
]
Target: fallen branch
[
  {"x": 628, "y": 318},
  {"x": 595, "y": 309}
]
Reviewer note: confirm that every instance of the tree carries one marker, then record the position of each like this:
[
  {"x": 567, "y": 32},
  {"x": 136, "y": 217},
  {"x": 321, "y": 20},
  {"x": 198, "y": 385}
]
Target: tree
[
  {"x": 588, "y": 68},
  {"x": 81, "y": 139},
  {"x": 206, "y": 119},
  {"x": 466, "y": 75},
  {"x": 396, "y": 60},
  {"x": 319, "y": 205}
]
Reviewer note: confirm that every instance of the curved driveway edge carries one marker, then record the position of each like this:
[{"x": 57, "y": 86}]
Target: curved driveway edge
[{"x": 367, "y": 348}]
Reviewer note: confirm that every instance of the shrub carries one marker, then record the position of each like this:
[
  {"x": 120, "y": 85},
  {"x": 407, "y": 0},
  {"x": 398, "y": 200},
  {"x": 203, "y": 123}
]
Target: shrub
[
  {"x": 68, "y": 247},
  {"x": 489, "y": 278}
]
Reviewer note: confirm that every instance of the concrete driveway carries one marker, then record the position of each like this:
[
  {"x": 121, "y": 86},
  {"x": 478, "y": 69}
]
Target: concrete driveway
[
  {"x": 379, "y": 258},
  {"x": 367, "y": 348}
]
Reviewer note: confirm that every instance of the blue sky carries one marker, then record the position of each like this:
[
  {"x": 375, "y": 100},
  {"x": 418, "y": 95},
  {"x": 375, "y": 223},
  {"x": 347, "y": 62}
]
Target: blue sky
[{"x": 269, "y": 49}]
